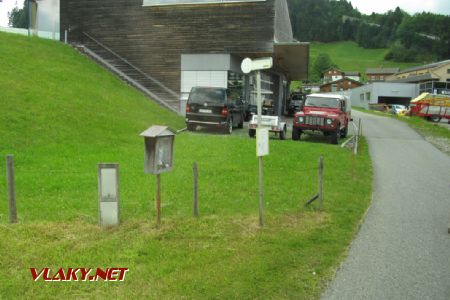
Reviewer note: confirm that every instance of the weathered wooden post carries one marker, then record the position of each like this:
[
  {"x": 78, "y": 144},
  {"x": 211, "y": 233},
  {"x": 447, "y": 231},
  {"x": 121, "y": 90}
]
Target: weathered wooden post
[
  {"x": 11, "y": 189},
  {"x": 320, "y": 182},
  {"x": 195, "y": 205},
  {"x": 353, "y": 158}
]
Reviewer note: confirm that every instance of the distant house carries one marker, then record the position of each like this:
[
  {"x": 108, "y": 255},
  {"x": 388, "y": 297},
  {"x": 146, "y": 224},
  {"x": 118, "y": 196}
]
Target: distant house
[
  {"x": 379, "y": 74},
  {"x": 355, "y": 75},
  {"x": 342, "y": 84},
  {"x": 432, "y": 78},
  {"x": 332, "y": 74}
]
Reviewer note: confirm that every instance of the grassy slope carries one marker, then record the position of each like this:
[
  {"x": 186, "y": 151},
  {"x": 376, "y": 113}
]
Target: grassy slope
[
  {"x": 350, "y": 57},
  {"x": 60, "y": 115}
]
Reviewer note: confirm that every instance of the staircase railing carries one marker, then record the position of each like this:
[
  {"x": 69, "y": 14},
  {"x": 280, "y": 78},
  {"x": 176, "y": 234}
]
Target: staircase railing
[{"x": 154, "y": 80}]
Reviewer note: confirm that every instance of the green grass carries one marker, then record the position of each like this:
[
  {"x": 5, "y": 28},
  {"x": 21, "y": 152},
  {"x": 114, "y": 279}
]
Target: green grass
[
  {"x": 61, "y": 115},
  {"x": 350, "y": 57}
]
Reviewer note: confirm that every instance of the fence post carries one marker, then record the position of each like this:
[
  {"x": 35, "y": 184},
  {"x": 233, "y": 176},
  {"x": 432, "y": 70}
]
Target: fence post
[
  {"x": 11, "y": 189},
  {"x": 158, "y": 199},
  {"x": 195, "y": 205},
  {"x": 321, "y": 182}
]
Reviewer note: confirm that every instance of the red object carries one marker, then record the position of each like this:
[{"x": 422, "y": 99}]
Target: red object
[{"x": 225, "y": 111}]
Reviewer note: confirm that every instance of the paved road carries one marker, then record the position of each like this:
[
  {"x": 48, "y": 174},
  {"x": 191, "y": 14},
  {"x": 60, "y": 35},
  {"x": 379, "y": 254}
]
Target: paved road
[{"x": 403, "y": 249}]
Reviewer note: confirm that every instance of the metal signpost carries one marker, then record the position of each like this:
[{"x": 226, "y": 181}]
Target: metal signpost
[{"x": 262, "y": 134}]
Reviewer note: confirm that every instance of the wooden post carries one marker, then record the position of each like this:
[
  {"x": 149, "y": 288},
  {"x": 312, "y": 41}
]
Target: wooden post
[
  {"x": 261, "y": 192},
  {"x": 11, "y": 189},
  {"x": 359, "y": 134},
  {"x": 195, "y": 206},
  {"x": 158, "y": 199},
  {"x": 321, "y": 182},
  {"x": 353, "y": 160}
]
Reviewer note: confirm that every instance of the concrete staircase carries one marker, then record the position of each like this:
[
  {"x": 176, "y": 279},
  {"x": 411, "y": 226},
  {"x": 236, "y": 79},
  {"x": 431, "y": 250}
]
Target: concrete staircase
[{"x": 128, "y": 72}]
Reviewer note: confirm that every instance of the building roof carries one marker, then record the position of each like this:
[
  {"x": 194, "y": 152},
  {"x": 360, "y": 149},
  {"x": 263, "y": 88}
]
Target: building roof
[
  {"x": 352, "y": 73},
  {"x": 292, "y": 59},
  {"x": 332, "y": 68},
  {"x": 416, "y": 78},
  {"x": 382, "y": 70},
  {"x": 428, "y": 66},
  {"x": 342, "y": 79}
]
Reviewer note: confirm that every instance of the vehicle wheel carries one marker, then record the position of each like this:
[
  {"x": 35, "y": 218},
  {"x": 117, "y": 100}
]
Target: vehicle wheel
[
  {"x": 296, "y": 134},
  {"x": 251, "y": 133},
  {"x": 191, "y": 127},
  {"x": 343, "y": 132},
  {"x": 283, "y": 133},
  {"x": 241, "y": 123},
  {"x": 229, "y": 127},
  {"x": 435, "y": 119},
  {"x": 335, "y": 137}
]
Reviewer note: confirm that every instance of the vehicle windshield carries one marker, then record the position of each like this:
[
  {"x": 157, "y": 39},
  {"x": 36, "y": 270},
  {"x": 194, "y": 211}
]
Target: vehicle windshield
[
  {"x": 211, "y": 95},
  {"x": 322, "y": 102}
]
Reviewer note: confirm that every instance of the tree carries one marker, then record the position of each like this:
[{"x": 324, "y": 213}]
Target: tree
[
  {"x": 323, "y": 62},
  {"x": 18, "y": 18}
]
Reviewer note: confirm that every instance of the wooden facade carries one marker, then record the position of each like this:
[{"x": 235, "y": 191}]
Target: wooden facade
[
  {"x": 340, "y": 85},
  {"x": 153, "y": 38}
]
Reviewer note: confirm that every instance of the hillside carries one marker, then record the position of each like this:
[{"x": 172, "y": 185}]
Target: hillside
[
  {"x": 61, "y": 115},
  {"x": 350, "y": 57},
  {"x": 422, "y": 37}
]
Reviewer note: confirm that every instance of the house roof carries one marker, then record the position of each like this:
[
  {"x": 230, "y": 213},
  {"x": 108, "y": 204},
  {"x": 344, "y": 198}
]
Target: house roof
[
  {"x": 428, "y": 66},
  {"x": 332, "y": 68},
  {"x": 342, "y": 79},
  {"x": 416, "y": 78},
  {"x": 352, "y": 73},
  {"x": 382, "y": 70}
]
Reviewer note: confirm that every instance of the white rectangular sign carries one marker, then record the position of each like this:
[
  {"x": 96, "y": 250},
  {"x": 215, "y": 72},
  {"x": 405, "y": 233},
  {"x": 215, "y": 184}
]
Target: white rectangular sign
[
  {"x": 108, "y": 194},
  {"x": 262, "y": 141}
]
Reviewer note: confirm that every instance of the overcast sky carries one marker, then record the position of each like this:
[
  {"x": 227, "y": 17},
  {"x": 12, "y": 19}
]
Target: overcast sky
[{"x": 364, "y": 6}]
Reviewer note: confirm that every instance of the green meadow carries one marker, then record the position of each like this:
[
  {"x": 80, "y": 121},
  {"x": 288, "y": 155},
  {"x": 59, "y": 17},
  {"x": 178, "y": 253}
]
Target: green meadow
[{"x": 61, "y": 115}]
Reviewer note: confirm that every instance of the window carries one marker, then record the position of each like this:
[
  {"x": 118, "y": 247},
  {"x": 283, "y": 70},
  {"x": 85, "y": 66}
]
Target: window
[
  {"x": 448, "y": 71},
  {"x": 179, "y": 2},
  {"x": 368, "y": 96},
  {"x": 361, "y": 97},
  {"x": 381, "y": 77}
]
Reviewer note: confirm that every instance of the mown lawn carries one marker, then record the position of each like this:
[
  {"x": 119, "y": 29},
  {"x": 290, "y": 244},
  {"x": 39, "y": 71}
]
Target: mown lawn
[{"x": 61, "y": 115}]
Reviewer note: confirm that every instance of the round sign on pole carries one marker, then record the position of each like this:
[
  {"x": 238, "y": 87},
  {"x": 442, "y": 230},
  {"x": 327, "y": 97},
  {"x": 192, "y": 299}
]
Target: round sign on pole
[{"x": 247, "y": 65}]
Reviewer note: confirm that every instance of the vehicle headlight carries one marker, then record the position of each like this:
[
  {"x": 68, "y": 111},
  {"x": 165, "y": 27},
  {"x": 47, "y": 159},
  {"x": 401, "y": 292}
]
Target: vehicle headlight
[
  {"x": 329, "y": 121},
  {"x": 301, "y": 119}
]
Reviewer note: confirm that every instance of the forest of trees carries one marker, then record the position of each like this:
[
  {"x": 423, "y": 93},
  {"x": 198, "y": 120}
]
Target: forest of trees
[{"x": 420, "y": 37}]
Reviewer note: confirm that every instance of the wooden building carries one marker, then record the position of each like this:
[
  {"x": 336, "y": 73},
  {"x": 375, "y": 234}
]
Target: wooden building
[
  {"x": 168, "y": 46},
  {"x": 379, "y": 74},
  {"x": 342, "y": 84},
  {"x": 332, "y": 74}
]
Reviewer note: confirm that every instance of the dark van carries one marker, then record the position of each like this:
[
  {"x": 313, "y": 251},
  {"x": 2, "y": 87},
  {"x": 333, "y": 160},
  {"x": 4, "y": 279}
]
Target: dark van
[{"x": 215, "y": 108}]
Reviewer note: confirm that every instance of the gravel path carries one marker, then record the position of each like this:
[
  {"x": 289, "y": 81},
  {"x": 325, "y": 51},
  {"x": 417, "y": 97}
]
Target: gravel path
[{"x": 402, "y": 250}]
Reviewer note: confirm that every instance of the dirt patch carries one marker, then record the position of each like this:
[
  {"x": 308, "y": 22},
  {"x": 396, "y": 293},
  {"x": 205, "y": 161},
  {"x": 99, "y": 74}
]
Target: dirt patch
[{"x": 441, "y": 143}]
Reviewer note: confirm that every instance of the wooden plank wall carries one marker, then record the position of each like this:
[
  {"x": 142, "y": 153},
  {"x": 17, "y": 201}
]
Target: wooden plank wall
[{"x": 153, "y": 38}]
